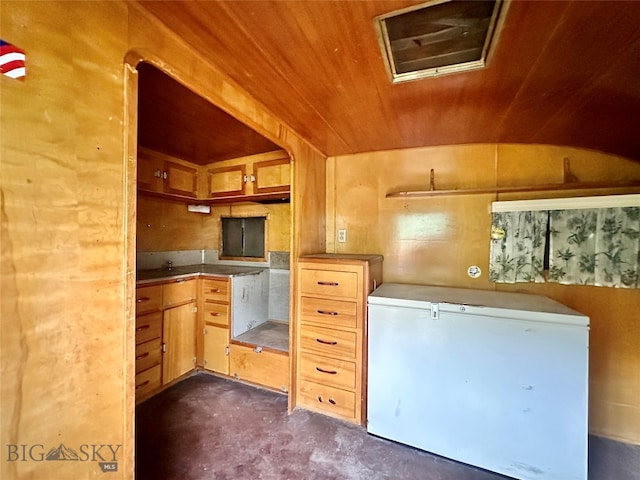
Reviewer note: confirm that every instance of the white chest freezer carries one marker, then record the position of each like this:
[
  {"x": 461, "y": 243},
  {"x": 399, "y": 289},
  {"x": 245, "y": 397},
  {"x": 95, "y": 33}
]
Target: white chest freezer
[{"x": 491, "y": 379}]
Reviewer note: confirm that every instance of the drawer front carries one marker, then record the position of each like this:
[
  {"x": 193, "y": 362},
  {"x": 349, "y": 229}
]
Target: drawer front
[
  {"x": 148, "y": 354},
  {"x": 328, "y": 371},
  {"x": 330, "y": 312},
  {"x": 178, "y": 292},
  {"x": 325, "y": 399},
  {"x": 329, "y": 283},
  {"x": 148, "y": 381},
  {"x": 265, "y": 368},
  {"x": 148, "y": 327},
  {"x": 216, "y": 290},
  {"x": 328, "y": 342},
  {"x": 148, "y": 299},
  {"x": 215, "y": 313}
]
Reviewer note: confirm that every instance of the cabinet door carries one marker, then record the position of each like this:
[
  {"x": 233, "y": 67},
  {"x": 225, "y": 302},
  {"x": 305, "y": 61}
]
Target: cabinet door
[
  {"x": 268, "y": 369},
  {"x": 180, "y": 179},
  {"x": 272, "y": 176},
  {"x": 216, "y": 353},
  {"x": 227, "y": 181},
  {"x": 179, "y": 337},
  {"x": 149, "y": 173}
]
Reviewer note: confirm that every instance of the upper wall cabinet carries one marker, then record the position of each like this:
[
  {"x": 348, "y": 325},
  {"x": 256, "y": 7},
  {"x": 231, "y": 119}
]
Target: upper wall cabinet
[
  {"x": 253, "y": 178},
  {"x": 161, "y": 174}
]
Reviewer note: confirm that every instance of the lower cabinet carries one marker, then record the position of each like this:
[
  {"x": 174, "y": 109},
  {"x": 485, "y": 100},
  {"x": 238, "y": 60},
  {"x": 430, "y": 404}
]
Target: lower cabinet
[
  {"x": 179, "y": 338},
  {"x": 331, "y": 373},
  {"x": 165, "y": 334},
  {"x": 264, "y": 367},
  {"x": 185, "y": 324}
]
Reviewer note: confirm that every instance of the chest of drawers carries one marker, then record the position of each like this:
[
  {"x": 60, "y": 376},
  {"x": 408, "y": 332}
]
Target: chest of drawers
[{"x": 331, "y": 332}]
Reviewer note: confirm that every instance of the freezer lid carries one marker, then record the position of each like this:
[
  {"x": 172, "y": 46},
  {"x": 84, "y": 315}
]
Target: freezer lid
[{"x": 480, "y": 302}]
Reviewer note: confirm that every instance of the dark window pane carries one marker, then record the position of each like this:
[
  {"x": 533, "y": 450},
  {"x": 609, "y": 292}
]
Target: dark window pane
[
  {"x": 243, "y": 237},
  {"x": 254, "y": 237}
]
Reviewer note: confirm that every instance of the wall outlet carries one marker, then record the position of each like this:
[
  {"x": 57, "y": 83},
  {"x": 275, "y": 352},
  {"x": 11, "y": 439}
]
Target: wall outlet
[{"x": 342, "y": 235}]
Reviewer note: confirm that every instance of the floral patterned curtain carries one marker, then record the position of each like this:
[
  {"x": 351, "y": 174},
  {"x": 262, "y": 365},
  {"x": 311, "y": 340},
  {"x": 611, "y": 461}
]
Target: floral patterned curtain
[
  {"x": 517, "y": 246},
  {"x": 595, "y": 247}
]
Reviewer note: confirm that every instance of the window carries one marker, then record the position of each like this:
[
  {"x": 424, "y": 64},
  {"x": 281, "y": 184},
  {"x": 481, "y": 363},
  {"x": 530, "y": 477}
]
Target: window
[
  {"x": 243, "y": 237},
  {"x": 573, "y": 241}
]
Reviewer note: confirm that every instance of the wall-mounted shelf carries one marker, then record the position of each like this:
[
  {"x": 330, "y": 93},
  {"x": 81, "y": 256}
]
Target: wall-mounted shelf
[{"x": 570, "y": 183}]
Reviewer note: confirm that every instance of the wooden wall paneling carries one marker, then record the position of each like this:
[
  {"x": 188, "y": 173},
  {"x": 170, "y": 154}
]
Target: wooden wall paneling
[
  {"x": 540, "y": 164},
  {"x": 130, "y": 209},
  {"x": 163, "y": 225},
  {"x": 430, "y": 241},
  {"x": 65, "y": 354}
]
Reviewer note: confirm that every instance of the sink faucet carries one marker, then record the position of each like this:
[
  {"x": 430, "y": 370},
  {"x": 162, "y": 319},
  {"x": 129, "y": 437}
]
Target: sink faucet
[{"x": 169, "y": 265}]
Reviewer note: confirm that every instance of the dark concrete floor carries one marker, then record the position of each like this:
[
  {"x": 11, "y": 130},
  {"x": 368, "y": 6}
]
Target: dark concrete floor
[{"x": 208, "y": 427}]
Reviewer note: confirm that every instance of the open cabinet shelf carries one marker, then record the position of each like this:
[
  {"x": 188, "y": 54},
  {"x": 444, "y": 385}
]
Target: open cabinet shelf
[{"x": 570, "y": 183}]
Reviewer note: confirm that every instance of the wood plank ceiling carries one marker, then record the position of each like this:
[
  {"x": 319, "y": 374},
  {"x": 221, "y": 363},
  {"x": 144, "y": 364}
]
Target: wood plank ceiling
[{"x": 563, "y": 73}]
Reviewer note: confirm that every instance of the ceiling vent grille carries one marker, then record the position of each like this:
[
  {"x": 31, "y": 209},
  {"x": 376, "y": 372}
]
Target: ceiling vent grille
[{"x": 439, "y": 37}]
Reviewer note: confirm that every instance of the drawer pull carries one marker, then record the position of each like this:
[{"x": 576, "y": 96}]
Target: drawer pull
[
  {"x": 319, "y": 398},
  {"x": 142, "y": 299},
  {"x": 326, "y": 342},
  {"x": 214, "y": 314},
  {"x": 142, "y": 385},
  {"x": 328, "y": 284},
  {"x": 332, "y": 401},
  {"x": 140, "y": 357},
  {"x": 326, "y": 312},
  {"x": 215, "y": 290},
  {"x": 142, "y": 327},
  {"x": 330, "y": 372}
]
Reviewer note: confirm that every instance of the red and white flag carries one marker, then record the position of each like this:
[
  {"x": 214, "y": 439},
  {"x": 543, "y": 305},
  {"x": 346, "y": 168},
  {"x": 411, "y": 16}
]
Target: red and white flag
[{"x": 11, "y": 61}]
